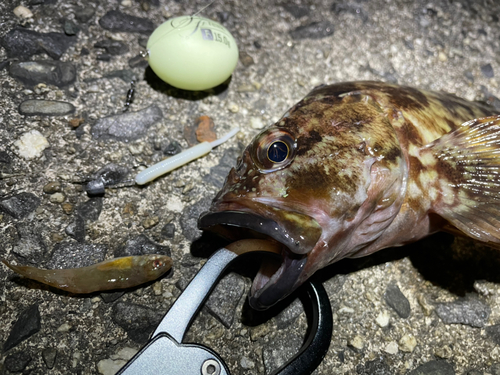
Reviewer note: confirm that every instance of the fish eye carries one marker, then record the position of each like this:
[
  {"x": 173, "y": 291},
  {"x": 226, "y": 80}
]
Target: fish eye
[
  {"x": 273, "y": 149},
  {"x": 157, "y": 263},
  {"x": 277, "y": 152}
]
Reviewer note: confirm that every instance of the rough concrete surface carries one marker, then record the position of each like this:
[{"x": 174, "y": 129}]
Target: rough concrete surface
[{"x": 286, "y": 49}]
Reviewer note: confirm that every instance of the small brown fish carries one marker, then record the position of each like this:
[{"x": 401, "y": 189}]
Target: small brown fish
[
  {"x": 356, "y": 167},
  {"x": 118, "y": 273}
]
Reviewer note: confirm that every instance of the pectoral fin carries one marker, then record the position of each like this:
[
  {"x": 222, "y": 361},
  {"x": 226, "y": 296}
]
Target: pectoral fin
[{"x": 467, "y": 162}]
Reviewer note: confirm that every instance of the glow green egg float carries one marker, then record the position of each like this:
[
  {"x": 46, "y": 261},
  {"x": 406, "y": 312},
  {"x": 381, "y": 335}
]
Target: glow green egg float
[{"x": 192, "y": 53}]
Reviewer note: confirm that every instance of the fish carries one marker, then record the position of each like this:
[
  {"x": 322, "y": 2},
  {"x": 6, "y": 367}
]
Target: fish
[
  {"x": 118, "y": 273},
  {"x": 357, "y": 167}
]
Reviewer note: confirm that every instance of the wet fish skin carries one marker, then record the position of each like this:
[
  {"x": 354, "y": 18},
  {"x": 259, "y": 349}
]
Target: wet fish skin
[{"x": 371, "y": 165}]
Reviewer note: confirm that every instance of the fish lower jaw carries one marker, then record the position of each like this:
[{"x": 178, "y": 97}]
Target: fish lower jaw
[
  {"x": 275, "y": 281},
  {"x": 263, "y": 278}
]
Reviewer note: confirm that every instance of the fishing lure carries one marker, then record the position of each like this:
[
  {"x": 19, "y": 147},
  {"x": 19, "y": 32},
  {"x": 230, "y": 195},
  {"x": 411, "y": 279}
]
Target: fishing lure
[{"x": 118, "y": 273}]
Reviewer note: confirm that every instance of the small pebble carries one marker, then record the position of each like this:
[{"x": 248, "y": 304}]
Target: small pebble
[
  {"x": 65, "y": 327},
  {"x": 56, "y": 237},
  {"x": 259, "y": 331},
  {"x": 52, "y": 187},
  {"x": 76, "y": 122},
  {"x": 20, "y": 205},
  {"x": 67, "y": 208},
  {"x": 70, "y": 28},
  {"x": 397, "y": 300},
  {"x": 150, "y": 222},
  {"x": 112, "y": 47},
  {"x": 84, "y": 14},
  {"x": 391, "y": 348},
  {"x": 157, "y": 289},
  {"x": 357, "y": 342},
  {"x": 129, "y": 209},
  {"x": 49, "y": 356},
  {"x": 168, "y": 230},
  {"x": 28, "y": 323},
  {"x": 116, "y": 21},
  {"x": 17, "y": 362},
  {"x": 246, "y": 88},
  {"x": 136, "y": 149},
  {"x": 246, "y": 59},
  {"x": 407, "y": 343},
  {"x": 246, "y": 363},
  {"x": 172, "y": 148},
  {"x": 31, "y": 145},
  {"x": 205, "y": 129},
  {"x": 487, "y": 71},
  {"x": 256, "y": 123},
  {"x": 383, "y": 319},
  {"x": 128, "y": 126},
  {"x": 57, "y": 197},
  {"x": 426, "y": 306},
  {"x": 444, "y": 352},
  {"x": 442, "y": 57},
  {"x": 233, "y": 107},
  {"x": 22, "y": 43},
  {"x": 466, "y": 310},
  {"x": 22, "y": 12},
  {"x": 37, "y": 107}
]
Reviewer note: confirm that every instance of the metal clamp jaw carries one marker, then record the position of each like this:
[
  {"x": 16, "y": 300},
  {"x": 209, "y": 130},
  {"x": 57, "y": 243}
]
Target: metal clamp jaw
[{"x": 165, "y": 354}]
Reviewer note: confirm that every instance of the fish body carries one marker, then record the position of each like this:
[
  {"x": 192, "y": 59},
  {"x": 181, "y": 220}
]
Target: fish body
[
  {"x": 117, "y": 273},
  {"x": 357, "y": 167}
]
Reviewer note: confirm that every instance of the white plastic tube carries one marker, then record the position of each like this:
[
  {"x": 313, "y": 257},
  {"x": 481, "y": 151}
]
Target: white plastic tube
[{"x": 192, "y": 153}]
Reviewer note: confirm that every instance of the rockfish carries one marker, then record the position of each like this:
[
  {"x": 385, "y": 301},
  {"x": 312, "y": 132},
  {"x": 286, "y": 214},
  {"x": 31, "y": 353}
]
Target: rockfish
[{"x": 357, "y": 167}]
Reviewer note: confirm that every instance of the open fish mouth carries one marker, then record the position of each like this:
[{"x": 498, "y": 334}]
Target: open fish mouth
[{"x": 297, "y": 232}]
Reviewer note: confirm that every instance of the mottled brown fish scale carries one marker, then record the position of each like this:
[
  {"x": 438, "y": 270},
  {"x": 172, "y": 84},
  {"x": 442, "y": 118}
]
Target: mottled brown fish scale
[
  {"x": 405, "y": 98},
  {"x": 451, "y": 171},
  {"x": 305, "y": 143}
]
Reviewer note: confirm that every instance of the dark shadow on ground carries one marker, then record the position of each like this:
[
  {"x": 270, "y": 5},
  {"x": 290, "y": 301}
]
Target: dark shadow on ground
[
  {"x": 450, "y": 263},
  {"x": 159, "y": 85}
]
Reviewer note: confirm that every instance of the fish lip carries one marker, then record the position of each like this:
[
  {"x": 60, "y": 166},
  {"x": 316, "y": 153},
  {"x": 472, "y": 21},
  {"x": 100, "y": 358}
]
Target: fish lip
[
  {"x": 241, "y": 219},
  {"x": 266, "y": 291}
]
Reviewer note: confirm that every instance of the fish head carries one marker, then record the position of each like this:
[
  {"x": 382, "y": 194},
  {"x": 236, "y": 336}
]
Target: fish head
[
  {"x": 324, "y": 181},
  {"x": 155, "y": 265}
]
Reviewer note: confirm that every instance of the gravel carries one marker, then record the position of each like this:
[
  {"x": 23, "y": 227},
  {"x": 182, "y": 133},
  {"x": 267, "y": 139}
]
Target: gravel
[{"x": 289, "y": 48}]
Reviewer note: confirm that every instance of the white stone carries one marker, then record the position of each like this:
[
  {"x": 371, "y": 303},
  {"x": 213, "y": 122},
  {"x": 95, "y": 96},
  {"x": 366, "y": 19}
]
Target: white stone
[
  {"x": 246, "y": 363},
  {"x": 174, "y": 204},
  {"x": 357, "y": 342},
  {"x": 391, "y": 348},
  {"x": 407, "y": 343},
  {"x": 233, "y": 107},
  {"x": 256, "y": 123},
  {"x": 57, "y": 198},
  {"x": 31, "y": 145},
  {"x": 110, "y": 367},
  {"x": 65, "y": 327},
  {"x": 125, "y": 353},
  {"x": 383, "y": 319},
  {"x": 346, "y": 310},
  {"x": 22, "y": 12}
]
